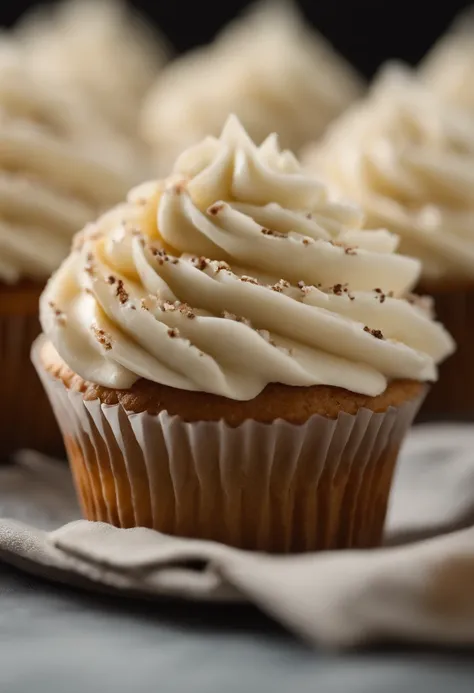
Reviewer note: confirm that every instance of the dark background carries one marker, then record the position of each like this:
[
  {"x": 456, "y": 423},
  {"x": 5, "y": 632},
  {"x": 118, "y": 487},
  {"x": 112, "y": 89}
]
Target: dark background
[{"x": 366, "y": 32}]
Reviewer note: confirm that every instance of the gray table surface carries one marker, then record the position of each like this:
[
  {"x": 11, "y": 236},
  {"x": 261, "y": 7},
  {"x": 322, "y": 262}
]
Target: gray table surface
[{"x": 55, "y": 639}]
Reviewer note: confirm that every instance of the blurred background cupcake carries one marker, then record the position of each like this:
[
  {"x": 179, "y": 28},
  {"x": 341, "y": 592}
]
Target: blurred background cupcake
[
  {"x": 59, "y": 167},
  {"x": 102, "y": 49},
  {"x": 448, "y": 68},
  {"x": 268, "y": 67},
  {"x": 407, "y": 157}
]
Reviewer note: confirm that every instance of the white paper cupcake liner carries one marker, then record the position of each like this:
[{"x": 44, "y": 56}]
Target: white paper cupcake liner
[{"x": 274, "y": 487}]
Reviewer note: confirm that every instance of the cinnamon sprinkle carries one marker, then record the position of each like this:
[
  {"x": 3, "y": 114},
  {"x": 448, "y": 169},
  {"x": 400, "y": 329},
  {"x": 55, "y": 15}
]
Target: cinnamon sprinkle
[
  {"x": 121, "y": 294},
  {"x": 271, "y": 232},
  {"x": 380, "y": 295},
  {"x": 162, "y": 256},
  {"x": 280, "y": 286},
  {"x": 201, "y": 263},
  {"x": 221, "y": 266},
  {"x": 249, "y": 280},
  {"x": 378, "y": 334},
  {"x": 339, "y": 289},
  {"x": 102, "y": 337},
  {"x": 177, "y": 306},
  {"x": 215, "y": 209}
]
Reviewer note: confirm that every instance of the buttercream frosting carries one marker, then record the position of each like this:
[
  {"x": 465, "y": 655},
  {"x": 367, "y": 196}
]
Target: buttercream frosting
[{"x": 236, "y": 271}]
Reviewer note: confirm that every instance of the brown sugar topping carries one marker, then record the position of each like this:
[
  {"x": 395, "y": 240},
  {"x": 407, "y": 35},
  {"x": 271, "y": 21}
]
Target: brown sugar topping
[
  {"x": 349, "y": 250},
  {"x": 102, "y": 337},
  {"x": 201, "y": 263},
  {"x": 249, "y": 280},
  {"x": 162, "y": 256},
  {"x": 280, "y": 286},
  {"x": 215, "y": 209},
  {"x": 221, "y": 266},
  {"x": 380, "y": 295},
  {"x": 173, "y": 333},
  {"x": 378, "y": 334},
  {"x": 275, "y": 234},
  {"x": 111, "y": 279},
  {"x": 339, "y": 289},
  {"x": 121, "y": 294},
  {"x": 177, "y": 306}
]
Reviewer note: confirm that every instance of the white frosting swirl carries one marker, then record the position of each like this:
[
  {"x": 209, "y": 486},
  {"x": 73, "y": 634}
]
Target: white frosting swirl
[
  {"x": 408, "y": 160},
  {"x": 268, "y": 68},
  {"x": 106, "y": 53},
  {"x": 295, "y": 291},
  {"x": 57, "y": 171}
]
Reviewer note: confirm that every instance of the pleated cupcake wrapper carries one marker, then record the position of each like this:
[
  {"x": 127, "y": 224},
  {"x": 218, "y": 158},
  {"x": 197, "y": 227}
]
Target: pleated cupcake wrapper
[
  {"x": 26, "y": 419},
  {"x": 453, "y": 395},
  {"x": 278, "y": 488}
]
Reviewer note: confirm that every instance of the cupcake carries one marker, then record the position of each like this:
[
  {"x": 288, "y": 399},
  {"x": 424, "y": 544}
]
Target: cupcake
[
  {"x": 268, "y": 67},
  {"x": 408, "y": 159},
  {"x": 230, "y": 356},
  {"x": 106, "y": 53},
  {"x": 52, "y": 182},
  {"x": 448, "y": 68}
]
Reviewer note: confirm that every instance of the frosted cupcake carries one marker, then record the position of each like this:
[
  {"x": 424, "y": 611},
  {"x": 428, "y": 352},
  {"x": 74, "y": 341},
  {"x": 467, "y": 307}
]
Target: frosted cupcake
[
  {"x": 106, "y": 53},
  {"x": 230, "y": 356},
  {"x": 408, "y": 160},
  {"x": 52, "y": 182},
  {"x": 268, "y": 67}
]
